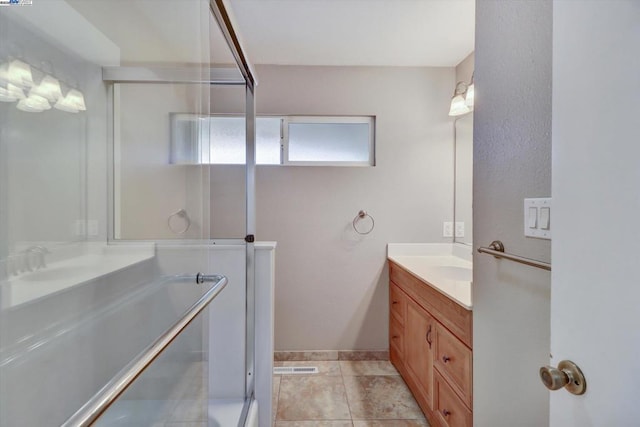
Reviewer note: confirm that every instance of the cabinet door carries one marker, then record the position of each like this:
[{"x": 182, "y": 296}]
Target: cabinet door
[{"x": 419, "y": 333}]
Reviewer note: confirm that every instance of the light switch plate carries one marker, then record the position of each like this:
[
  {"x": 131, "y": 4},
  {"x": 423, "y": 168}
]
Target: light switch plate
[{"x": 541, "y": 208}]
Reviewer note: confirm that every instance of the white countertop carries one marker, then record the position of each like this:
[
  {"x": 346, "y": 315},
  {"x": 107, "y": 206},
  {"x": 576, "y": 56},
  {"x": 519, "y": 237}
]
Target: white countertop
[
  {"x": 93, "y": 261},
  {"x": 445, "y": 267}
]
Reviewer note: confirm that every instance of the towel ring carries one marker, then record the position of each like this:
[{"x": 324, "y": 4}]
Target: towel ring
[
  {"x": 363, "y": 215},
  {"x": 181, "y": 213}
]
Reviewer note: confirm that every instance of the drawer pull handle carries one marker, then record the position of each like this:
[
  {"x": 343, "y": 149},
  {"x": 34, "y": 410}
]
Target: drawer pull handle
[
  {"x": 428, "y": 337},
  {"x": 395, "y": 337},
  {"x": 446, "y": 358},
  {"x": 446, "y": 413},
  {"x": 394, "y": 302}
]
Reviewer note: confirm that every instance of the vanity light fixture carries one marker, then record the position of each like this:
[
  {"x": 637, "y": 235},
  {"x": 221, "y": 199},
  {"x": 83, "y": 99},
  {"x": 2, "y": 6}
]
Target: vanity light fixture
[
  {"x": 19, "y": 74},
  {"x": 72, "y": 103},
  {"x": 33, "y": 104},
  {"x": 17, "y": 79},
  {"x": 48, "y": 88},
  {"x": 462, "y": 99},
  {"x": 458, "y": 104}
]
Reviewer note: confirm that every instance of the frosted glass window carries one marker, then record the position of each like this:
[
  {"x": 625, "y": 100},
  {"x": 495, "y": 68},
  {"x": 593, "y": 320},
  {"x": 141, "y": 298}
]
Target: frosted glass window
[
  {"x": 329, "y": 142},
  {"x": 228, "y": 141},
  {"x": 280, "y": 140},
  {"x": 268, "y": 140}
]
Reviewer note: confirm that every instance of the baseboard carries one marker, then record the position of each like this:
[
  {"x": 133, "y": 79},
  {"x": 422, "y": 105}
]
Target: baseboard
[{"x": 318, "y": 355}]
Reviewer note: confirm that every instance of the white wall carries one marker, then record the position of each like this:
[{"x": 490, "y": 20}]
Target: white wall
[
  {"x": 464, "y": 70},
  {"x": 512, "y": 160},
  {"x": 595, "y": 276},
  {"x": 148, "y": 188},
  {"x": 332, "y": 284}
]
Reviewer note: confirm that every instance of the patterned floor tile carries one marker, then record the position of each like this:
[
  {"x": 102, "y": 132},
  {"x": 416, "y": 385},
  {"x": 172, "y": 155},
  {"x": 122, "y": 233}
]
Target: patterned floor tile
[
  {"x": 391, "y": 423},
  {"x": 345, "y": 423},
  {"x": 380, "y": 397},
  {"x": 367, "y": 367},
  {"x": 305, "y": 398}
]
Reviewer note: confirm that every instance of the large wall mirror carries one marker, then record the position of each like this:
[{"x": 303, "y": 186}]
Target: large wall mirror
[{"x": 464, "y": 179}]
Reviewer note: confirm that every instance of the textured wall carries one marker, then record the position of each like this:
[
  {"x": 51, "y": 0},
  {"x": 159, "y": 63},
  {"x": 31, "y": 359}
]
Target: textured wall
[{"x": 512, "y": 161}]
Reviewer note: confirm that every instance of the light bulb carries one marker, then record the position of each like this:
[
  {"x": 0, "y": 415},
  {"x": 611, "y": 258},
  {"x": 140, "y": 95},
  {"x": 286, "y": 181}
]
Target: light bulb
[
  {"x": 470, "y": 96},
  {"x": 25, "y": 105},
  {"x": 72, "y": 103},
  {"x": 77, "y": 98},
  {"x": 33, "y": 103},
  {"x": 67, "y": 105},
  {"x": 458, "y": 106},
  {"x": 48, "y": 88},
  {"x": 19, "y": 73},
  {"x": 11, "y": 93}
]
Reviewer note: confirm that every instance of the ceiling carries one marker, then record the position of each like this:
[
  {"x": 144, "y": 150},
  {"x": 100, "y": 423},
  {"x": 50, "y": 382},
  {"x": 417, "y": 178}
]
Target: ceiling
[
  {"x": 157, "y": 31},
  {"x": 356, "y": 32}
]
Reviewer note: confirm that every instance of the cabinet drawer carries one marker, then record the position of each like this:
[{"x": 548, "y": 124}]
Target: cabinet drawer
[
  {"x": 396, "y": 337},
  {"x": 454, "y": 362},
  {"x": 448, "y": 408},
  {"x": 397, "y": 303}
]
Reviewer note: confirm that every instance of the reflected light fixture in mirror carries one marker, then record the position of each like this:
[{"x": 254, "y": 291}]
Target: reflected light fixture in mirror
[
  {"x": 17, "y": 78},
  {"x": 19, "y": 73},
  {"x": 10, "y": 93},
  {"x": 48, "y": 88},
  {"x": 33, "y": 104},
  {"x": 72, "y": 103}
]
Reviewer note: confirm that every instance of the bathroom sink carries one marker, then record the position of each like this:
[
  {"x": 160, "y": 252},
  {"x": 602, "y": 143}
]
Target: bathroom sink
[
  {"x": 56, "y": 273},
  {"x": 454, "y": 272}
]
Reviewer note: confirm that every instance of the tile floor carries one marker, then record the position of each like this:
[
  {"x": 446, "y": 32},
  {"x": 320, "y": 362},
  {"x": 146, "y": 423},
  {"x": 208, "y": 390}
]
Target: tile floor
[{"x": 344, "y": 394}]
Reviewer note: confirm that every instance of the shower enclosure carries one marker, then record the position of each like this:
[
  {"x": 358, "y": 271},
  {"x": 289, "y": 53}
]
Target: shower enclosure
[{"x": 127, "y": 253}]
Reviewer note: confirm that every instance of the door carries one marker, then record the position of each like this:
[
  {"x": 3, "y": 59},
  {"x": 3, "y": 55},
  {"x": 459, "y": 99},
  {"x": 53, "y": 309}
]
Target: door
[
  {"x": 419, "y": 333},
  {"x": 595, "y": 318}
]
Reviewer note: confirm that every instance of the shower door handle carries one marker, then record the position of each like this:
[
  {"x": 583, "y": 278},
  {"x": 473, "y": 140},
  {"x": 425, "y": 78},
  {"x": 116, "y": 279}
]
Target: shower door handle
[{"x": 207, "y": 278}]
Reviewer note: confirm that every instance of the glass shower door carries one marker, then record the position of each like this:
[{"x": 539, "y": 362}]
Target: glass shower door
[{"x": 98, "y": 224}]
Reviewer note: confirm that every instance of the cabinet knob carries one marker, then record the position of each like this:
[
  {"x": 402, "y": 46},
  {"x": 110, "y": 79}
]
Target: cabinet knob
[
  {"x": 446, "y": 413},
  {"x": 566, "y": 375},
  {"x": 394, "y": 302},
  {"x": 446, "y": 358}
]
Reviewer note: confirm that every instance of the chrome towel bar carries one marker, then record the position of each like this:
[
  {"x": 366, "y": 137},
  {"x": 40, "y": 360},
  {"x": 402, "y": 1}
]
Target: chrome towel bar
[
  {"x": 100, "y": 402},
  {"x": 496, "y": 248}
]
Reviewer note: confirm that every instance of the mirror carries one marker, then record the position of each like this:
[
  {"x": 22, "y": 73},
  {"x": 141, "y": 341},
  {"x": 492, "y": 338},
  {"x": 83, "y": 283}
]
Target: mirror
[
  {"x": 463, "y": 190},
  {"x": 43, "y": 149}
]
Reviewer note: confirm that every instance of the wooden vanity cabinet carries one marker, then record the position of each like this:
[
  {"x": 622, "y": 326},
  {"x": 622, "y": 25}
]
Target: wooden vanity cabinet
[
  {"x": 397, "y": 310},
  {"x": 419, "y": 332},
  {"x": 430, "y": 337}
]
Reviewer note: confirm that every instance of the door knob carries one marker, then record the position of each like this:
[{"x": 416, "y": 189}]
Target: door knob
[{"x": 566, "y": 375}]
